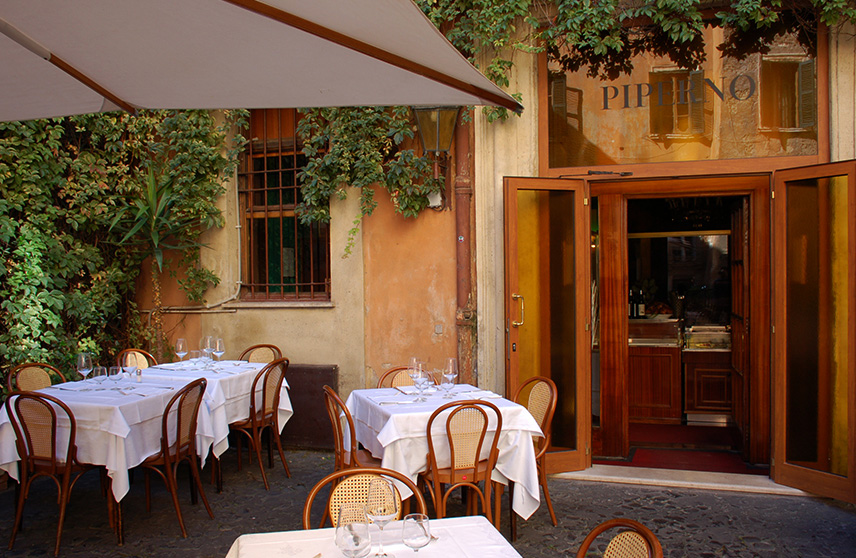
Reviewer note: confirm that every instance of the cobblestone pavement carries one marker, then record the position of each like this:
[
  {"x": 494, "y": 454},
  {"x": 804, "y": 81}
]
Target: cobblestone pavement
[{"x": 691, "y": 523}]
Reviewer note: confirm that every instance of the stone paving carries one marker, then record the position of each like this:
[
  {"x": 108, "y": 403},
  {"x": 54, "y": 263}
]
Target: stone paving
[{"x": 692, "y": 523}]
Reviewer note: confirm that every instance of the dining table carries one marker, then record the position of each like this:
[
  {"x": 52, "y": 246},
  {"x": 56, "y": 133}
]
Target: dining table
[
  {"x": 465, "y": 537},
  {"x": 392, "y": 424}
]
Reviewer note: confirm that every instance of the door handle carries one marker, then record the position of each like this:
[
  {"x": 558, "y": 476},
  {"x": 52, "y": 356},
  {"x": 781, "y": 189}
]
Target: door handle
[{"x": 515, "y": 296}]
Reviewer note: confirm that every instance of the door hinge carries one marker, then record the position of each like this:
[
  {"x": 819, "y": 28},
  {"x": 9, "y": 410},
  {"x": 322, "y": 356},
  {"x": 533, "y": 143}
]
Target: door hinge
[
  {"x": 773, "y": 194},
  {"x": 585, "y": 201},
  {"x": 773, "y": 328},
  {"x": 588, "y": 327},
  {"x": 588, "y": 449}
]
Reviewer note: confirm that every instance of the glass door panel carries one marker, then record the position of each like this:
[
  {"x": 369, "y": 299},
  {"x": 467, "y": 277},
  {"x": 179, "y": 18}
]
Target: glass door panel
[
  {"x": 546, "y": 284},
  {"x": 814, "y": 368}
]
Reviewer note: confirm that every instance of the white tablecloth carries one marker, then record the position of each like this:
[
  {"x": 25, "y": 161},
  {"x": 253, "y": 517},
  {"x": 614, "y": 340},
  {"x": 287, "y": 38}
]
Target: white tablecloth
[
  {"x": 393, "y": 429},
  {"x": 466, "y": 537},
  {"x": 117, "y": 429},
  {"x": 229, "y": 384}
]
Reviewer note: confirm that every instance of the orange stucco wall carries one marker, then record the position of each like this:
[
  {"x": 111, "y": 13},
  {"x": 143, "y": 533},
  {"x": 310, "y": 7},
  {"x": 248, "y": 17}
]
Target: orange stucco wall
[{"x": 409, "y": 288}]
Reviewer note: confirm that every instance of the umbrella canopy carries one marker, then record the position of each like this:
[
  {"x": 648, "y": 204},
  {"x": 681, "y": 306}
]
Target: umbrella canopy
[{"x": 62, "y": 57}]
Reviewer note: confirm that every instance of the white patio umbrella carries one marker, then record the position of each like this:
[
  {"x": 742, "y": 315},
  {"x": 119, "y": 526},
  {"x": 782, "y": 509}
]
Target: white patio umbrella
[{"x": 63, "y": 57}]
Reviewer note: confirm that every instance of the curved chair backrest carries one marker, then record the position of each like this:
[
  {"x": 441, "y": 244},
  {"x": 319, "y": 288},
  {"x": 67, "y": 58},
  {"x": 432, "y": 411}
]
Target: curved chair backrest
[
  {"x": 269, "y": 380},
  {"x": 395, "y": 377},
  {"x": 36, "y": 419},
  {"x": 633, "y": 541},
  {"x": 352, "y": 485},
  {"x": 541, "y": 403},
  {"x": 140, "y": 358},
  {"x": 261, "y": 353},
  {"x": 31, "y": 376},
  {"x": 341, "y": 421},
  {"x": 182, "y": 441},
  {"x": 465, "y": 429}
]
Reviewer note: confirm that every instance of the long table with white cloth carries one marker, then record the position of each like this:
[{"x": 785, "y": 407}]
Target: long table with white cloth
[
  {"x": 119, "y": 422},
  {"x": 464, "y": 537},
  {"x": 392, "y": 426}
]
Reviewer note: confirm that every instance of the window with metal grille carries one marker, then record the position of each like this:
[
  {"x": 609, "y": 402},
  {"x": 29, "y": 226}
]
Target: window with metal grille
[{"x": 282, "y": 258}]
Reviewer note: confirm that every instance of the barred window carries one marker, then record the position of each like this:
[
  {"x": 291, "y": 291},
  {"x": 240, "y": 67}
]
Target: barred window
[{"x": 282, "y": 258}]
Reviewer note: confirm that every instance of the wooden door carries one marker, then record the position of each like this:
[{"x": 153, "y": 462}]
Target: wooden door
[
  {"x": 814, "y": 317},
  {"x": 739, "y": 256},
  {"x": 547, "y": 304}
]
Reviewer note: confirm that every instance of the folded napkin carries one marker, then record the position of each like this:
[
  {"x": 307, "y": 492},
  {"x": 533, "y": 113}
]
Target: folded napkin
[
  {"x": 479, "y": 394},
  {"x": 75, "y": 386}
]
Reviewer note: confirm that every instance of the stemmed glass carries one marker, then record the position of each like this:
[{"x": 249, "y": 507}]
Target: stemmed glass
[
  {"x": 416, "y": 532},
  {"x": 352, "y": 530},
  {"x": 417, "y": 374},
  {"x": 450, "y": 374},
  {"x": 114, "y": 373},
  {"x": 129, "y": 364},
  {"x": 181, "y": 348},
  {"x": 219, "y": 348},
  {"x": 99, "y": 374},
  {"x": 206, "y": 345},
  {"x": 84, "y": 364},
  {"x": 381, "y": 507}
]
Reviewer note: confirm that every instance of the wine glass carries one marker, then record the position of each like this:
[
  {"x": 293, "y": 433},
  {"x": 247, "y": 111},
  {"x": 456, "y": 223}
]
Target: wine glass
[
  {"x": 84, "y": 364},
  {"x": 219, "y": 348},
  {"x": 352, "y": 530},
  {"x": 416, "y": 532},
  {"x": 181, "y": 348},
  {"x": 450, "y": 374},
  {"x": 206, "y": 345},
  {"x": 129, "y": 364},
  {"x": 381, "y": 507},
  {"x": 114, "y": 373},
  {"x": 99, "y": 374},
  {"x": 416, "y": 373}
]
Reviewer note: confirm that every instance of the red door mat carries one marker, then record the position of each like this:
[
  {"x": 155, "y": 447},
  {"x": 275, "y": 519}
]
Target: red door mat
[{"x": 687, "y": 460}]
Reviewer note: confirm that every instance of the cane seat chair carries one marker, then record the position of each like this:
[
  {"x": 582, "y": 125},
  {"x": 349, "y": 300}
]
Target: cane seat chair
[
  {"x": 177, "y": 446},
  {"x": 538, "y": 395},
  {"x": 634, "y": 540},
  {"x": 31, "y": 376},
  {"x": 262, "y": 353},
  {"x": 352, "y": 485},
  {"x": 139, "y": 358},
  {"x": 43, "y": 426},
  {"x": 346, "y": 457},
  {"x": 264, "y": 414},
  {"x": 395, "y": 377},
  {"x": 465, "y": 427}
]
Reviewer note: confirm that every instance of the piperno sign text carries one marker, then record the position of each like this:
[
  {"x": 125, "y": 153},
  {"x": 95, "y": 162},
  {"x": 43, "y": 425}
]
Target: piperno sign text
[{"x": 636, "y": 95}]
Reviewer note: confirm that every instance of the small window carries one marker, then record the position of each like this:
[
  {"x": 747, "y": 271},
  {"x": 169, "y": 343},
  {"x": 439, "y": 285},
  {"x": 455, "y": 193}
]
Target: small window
[
  {"x": 282, "y": 258},
  {"x": 788, "y": 94},
  {"x": 677, "y": 106}
]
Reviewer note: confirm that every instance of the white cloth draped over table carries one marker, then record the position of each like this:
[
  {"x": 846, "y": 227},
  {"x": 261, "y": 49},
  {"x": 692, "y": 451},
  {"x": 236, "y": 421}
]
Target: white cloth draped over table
[
  {"x": 457, "y": 537},
  {"x": 393, "y": 428},
  {"x": 119, "y": 429}
]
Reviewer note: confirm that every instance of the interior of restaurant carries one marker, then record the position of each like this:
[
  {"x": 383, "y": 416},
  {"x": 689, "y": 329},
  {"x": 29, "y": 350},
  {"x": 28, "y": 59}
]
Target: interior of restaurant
[{"x": 685, "y": 303}]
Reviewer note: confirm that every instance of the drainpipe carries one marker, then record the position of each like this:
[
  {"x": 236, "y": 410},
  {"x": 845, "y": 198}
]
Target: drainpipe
[{"x": 465, "y": 315}]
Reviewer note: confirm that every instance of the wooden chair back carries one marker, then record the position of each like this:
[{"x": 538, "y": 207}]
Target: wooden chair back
[
  {"x": 182, "y": 440},
  {"x": 539, "y": 396},
  {"x": 31, "y": 376},
  {"x": 268, "y": 384},
  {"x": 140, "y": 358},
  {"x": 634, "y": 540},
  {"x": 261, "y": 353},
  {"x": 395, "y": 377},
  {"x": 352, "y": 485}
]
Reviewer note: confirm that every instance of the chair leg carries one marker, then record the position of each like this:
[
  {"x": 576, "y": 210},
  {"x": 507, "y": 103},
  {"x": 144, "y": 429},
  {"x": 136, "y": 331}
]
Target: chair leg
[
  {"x": 63, "y": 500},
  {"x": 257, "y": 443},
  {"x": 173, "y": 490},
  {"x": 542, "y": 478},
  {"x": 512, "y": 517},
  {"x": 278, "y": 440},
  {"x": 22, "y": 490},
  {"x": 270, "y": 446},
  {"x": 194, "y": 472}
]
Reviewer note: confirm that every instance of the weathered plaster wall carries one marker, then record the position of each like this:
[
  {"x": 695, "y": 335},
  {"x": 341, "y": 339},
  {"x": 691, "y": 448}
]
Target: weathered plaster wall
[
  {"x": 409, "y": 288},
  {"x": 842, "y": 93},
  {"x": 507, "y": 148}
]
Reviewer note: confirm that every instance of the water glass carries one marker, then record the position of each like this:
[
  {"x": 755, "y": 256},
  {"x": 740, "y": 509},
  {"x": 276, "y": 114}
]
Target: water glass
[
  {"x": 381, "y": 507},
  {"x": 130, "y": 365},
  {"x": 206, "y": 345},
  {"x": 219, "y": 348},
  {"x": 195, "y": 355},
  {"x": 114, "y": 373},
  {"x": 416, "y": 531},
  {"x": 352, "y": 530},
  {"x": 99, "y": 374}
]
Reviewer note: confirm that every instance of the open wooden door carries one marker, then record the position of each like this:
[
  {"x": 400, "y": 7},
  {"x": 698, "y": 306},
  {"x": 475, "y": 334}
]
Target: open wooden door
[
  {"x": 814, "y": 317},
  {"x": 547, "y": 304}
]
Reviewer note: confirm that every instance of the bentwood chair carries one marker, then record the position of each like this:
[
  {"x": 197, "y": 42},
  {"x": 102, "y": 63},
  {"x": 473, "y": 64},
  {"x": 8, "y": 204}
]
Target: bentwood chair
[
  {"x": 261, "y": 353},
  {"x": 633, "y": 541},
  {"x": 465, "y": 428},
  {"x": 538, "y": 395},
  {"x": 36, "y": 419},
  {"x": 346, "y": 457},
  {"x": 179, "y": 445},
  {"x": 31, "y": 376},
  {"x": 263, "y": 414},
  {"x": 140, "y": 358},
  {"x": 352, "y": 485},
  {"x": 394, "y": 377}
]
